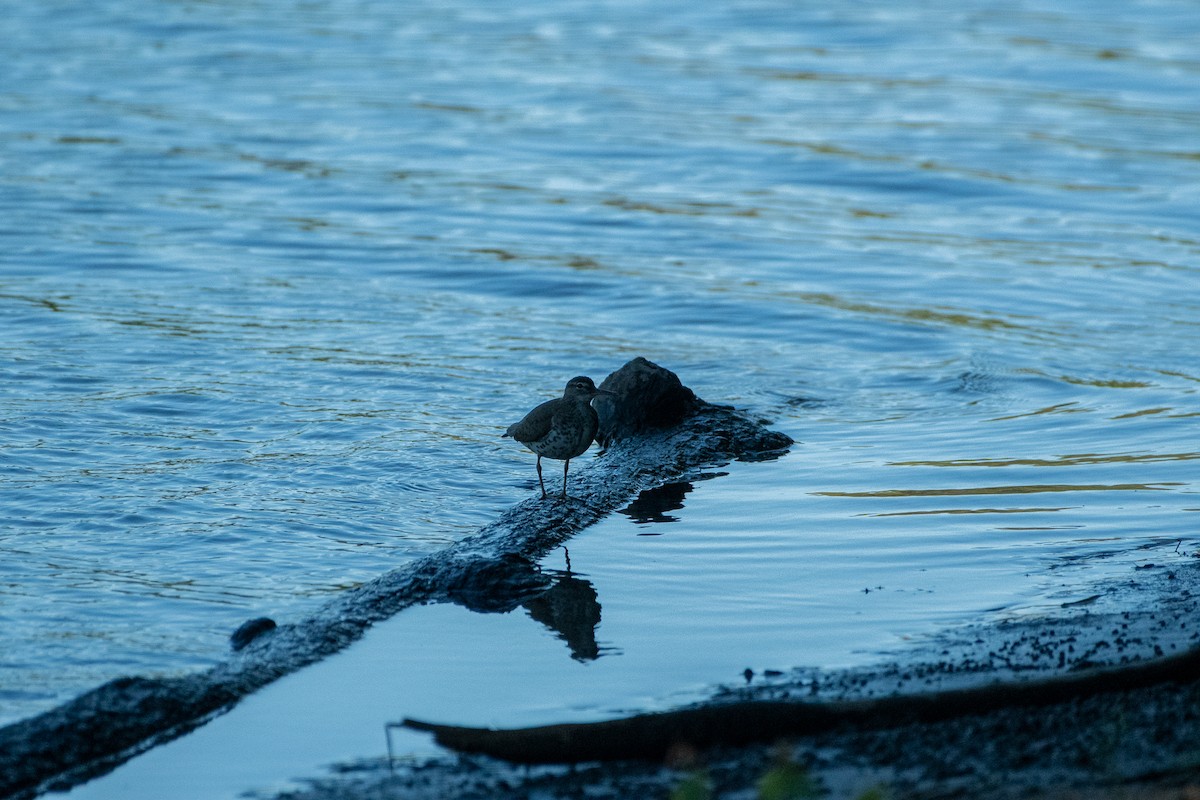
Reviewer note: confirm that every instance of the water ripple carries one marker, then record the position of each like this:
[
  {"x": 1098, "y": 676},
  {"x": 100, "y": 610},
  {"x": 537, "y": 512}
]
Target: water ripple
[{"x": 274, "y": 285}]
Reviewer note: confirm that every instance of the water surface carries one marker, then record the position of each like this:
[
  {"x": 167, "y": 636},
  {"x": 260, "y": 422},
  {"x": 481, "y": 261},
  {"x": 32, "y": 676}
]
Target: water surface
[{"x": 274, "y": 283}]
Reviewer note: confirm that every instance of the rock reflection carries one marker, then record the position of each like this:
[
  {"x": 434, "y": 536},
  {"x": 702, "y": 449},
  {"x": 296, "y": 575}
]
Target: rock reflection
[
  {"x": 652, "y": 505},
  {"x": 571, "y": 609}
]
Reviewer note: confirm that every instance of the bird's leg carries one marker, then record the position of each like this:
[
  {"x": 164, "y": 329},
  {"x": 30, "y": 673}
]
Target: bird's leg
[
  {"x": 566, "y": 464},
  {"x": 540, "y": 481}
]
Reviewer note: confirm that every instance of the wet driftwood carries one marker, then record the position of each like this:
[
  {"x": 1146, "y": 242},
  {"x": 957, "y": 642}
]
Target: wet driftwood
[
  {"x": 654, "y": 430},
  {"x": 653, "y": 736}
]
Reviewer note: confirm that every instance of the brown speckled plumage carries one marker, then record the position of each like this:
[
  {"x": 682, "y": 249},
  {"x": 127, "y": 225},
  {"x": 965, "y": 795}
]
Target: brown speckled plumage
[{"x": 561, "y": 429}]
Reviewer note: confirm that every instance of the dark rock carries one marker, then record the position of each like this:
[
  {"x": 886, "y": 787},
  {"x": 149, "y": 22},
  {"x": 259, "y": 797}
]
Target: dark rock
[
  {"x": 250, "y": 630},
  {"x": 645, "y": 396}
]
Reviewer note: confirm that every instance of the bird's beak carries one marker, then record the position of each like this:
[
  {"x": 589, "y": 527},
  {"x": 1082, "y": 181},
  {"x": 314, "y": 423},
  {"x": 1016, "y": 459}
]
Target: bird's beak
[{"x": 607, "y": 392}]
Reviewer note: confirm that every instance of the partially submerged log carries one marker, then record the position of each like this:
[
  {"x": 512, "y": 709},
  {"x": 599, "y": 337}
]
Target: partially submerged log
[
  {"x": 653, "y": 736},
  {"x": 655, "y": 429}
]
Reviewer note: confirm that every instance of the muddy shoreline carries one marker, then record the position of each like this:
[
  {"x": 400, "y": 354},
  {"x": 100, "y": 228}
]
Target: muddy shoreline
[{"x": 1125, "y": 743}]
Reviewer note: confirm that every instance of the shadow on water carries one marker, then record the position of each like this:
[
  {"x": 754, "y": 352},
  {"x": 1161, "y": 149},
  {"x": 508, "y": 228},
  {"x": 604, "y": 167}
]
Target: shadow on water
[
  {"x": 571, "y": 609},
  {"x": 653, "y": 505}
]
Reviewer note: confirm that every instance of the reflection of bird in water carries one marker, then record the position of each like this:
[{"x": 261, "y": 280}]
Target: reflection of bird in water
[
  {"x": 652, "y": 505},
  {"x": 571, "y": 609},
  {"x": 561, "y": 429}
]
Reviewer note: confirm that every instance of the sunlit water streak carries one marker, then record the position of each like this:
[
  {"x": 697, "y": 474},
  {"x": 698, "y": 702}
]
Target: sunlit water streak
[{"x": 274, "y": 283}]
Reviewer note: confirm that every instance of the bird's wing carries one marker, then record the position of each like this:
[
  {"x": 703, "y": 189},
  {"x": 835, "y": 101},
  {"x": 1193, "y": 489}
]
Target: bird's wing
[
  {"x": 578, "y": 418},
  {"x": 535, "y": 425}
]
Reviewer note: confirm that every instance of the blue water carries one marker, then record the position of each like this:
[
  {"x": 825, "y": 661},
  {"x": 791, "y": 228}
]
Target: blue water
[{"x": 274, "y": 280}]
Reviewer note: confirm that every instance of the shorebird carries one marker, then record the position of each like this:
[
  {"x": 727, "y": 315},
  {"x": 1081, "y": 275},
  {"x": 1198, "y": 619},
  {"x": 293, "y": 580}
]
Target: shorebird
[{"x": 562, "y": 428}]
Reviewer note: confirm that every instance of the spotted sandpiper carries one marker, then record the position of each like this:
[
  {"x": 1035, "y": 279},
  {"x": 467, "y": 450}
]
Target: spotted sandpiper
[{"x": 562, "y": 428}]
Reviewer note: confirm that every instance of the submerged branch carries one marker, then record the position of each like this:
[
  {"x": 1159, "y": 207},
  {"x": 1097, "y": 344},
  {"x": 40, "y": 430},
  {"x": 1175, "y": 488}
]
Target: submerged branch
[{"x": 652, "y": 736}]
